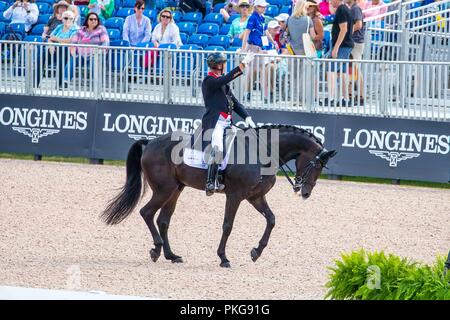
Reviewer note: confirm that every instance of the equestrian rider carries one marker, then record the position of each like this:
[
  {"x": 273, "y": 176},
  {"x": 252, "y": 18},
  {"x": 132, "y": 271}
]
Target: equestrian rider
[{"x": 220, "y": 103}]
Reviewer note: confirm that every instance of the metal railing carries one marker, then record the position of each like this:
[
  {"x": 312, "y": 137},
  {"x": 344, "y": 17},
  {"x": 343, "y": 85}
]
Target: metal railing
[{"x": 418, "y": 90}]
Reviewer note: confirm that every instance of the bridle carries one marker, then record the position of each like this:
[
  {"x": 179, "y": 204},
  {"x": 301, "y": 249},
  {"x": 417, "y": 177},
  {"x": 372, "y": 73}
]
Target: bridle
[{"x": 302, "y": 180}]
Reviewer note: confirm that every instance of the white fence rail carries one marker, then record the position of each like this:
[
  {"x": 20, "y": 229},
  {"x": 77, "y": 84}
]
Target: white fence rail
[{"x": 418, "y": 90}]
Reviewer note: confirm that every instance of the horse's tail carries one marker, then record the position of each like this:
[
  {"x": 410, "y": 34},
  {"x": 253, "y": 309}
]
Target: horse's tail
[{"x": 121, "y": 206}]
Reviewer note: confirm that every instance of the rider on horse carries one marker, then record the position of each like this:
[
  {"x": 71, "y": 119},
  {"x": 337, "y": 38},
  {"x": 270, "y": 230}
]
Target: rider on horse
[{"x": 220, "y": 103}]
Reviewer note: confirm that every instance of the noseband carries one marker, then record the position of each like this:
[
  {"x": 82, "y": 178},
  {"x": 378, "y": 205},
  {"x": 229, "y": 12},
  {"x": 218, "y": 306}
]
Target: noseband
[{"x": 302, "y": 180}]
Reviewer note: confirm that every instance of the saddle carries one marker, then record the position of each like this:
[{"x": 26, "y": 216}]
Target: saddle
[{"x": 196, "y": 154}]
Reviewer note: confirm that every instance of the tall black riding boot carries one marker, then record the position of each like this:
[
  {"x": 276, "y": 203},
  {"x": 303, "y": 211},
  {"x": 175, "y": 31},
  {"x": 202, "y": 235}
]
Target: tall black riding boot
[{"x": 211, "y": 180}]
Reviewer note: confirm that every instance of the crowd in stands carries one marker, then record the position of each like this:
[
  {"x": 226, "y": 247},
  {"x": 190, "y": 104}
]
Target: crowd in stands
[{"x": 278, "y": 27}]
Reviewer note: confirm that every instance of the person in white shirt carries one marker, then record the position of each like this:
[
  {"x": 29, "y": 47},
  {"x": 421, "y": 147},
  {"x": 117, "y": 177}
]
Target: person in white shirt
[
  {"x": 23, "y": 11},
  {"x": 166, "y": 31}
]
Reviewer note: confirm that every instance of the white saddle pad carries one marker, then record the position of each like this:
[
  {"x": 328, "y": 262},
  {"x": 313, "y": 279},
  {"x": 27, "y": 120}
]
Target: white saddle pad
[{"x": 196, "y": 158}]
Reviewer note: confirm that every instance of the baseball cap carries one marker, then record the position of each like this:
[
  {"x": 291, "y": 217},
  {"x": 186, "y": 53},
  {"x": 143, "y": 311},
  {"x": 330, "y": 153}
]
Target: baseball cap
[
  {"x": 261, "y": 3},
  {"x": 282, "y": 17},
  {"x": 273, "y": 24}
]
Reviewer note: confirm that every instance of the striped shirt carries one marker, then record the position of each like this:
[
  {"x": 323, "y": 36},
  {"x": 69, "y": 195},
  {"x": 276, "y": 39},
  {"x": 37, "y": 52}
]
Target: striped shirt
[{"x": 99, "y": 36}]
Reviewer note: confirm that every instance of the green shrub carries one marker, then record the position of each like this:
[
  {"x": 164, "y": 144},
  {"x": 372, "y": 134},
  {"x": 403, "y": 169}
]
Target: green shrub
[{"x": 374, "y": 276}]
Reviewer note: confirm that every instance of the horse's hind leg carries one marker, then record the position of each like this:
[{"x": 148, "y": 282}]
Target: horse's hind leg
[
  {"x": 163, "y": 222},
  {"x": 261, "y": 205},
  {"x": 148, "y": 213}
]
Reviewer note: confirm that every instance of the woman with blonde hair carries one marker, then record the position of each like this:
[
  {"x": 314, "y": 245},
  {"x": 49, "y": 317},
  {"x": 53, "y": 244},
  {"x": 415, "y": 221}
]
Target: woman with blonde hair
[
  {"x": 166, "y": 31},
  {"x": 312, "y": 9},
  {"x": 298, "y": 24}
]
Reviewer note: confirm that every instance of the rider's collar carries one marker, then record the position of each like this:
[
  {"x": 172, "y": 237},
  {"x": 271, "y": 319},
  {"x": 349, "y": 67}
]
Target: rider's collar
[{"x": 210, "y": 73}]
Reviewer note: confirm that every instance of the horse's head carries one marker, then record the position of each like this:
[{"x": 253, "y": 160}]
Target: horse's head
[{"x": 308, "y": 168}]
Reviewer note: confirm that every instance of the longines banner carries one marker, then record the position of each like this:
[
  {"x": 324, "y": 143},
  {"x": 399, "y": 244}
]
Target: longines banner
[{"x": 367, "y": 146}]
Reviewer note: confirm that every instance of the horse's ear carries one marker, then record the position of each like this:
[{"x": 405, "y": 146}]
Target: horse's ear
[{"x": 327, "y": 155}]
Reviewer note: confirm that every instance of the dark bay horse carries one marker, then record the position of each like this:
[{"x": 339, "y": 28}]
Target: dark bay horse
[{"x": 242, "y": 181}]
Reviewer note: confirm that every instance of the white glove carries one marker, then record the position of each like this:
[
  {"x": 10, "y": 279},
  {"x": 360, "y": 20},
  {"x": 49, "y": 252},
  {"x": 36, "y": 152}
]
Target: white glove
[
  {"x": 248, "y": 58},
  {"x": 238, "y": 50},
  {"x": 249, "y": 122}
]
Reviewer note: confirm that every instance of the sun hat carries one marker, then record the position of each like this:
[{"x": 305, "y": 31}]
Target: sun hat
[
  {"x": 261, "y": 3},
  {"x": 61, "y": 3}
]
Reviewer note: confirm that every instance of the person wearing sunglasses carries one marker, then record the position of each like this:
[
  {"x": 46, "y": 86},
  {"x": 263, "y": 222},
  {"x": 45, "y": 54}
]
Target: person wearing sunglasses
[
  {"x": 103, "y": 8},
  {"x": 166, "y": 31},
  {"x": 239, "y": 24},
  {"x": 137, "y": 27},
  {"x": 93, "y": 33},
  {"x": 59, "y": 54},
  {"x": 56, "y": 19}
]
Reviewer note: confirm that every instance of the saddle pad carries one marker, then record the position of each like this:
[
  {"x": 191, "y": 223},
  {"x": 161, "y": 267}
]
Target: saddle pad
[{"x": 196, "y": 158}]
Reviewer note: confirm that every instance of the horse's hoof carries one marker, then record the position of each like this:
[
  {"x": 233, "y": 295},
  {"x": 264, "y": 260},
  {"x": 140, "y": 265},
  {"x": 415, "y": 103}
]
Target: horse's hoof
[
  {"x": 177, "y": 260},
  {"x": 254, "y": 254},
  {"x": 154, "y": 255},
  {"x": 225, "y": 264}
]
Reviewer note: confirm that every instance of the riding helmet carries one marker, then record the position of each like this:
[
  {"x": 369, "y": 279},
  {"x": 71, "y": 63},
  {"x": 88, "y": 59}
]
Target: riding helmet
[{"x": 215, "y": 58}]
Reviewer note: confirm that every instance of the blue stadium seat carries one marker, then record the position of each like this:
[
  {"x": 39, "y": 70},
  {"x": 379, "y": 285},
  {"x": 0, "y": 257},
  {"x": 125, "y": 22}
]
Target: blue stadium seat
[
  {"x": 124, "y": 12},
  {"x": 184, "y": 37},
  {"x": 285, "y": 9},
  {"x": 187, "y": 27},
  {"x": 18, "y": 28},
  {"x": 214, "y": 48},
  {"x": 208, "y": 7},
  {"x": 152, "y": 15},
  {"x": 326, "y": 42},
  {"x": 114, "y": 34},
  {"x": 115, "y": 23},
  {"x": 44, "y": 8},
  {"x": 225, "y": 29},
  {"x": 236, "y": 42},
  {"x": 218, "y": 6},
  {"x": 33, "y": 38},
  {"x": 177, "y": 15},
  {"x": 271, "y": 11},
  {"x": 195, "y": 17},
  {"x": 287, "y": 2},
  {"x": 199, "y": 39},
  {"x": 210, "y": 29},
  {"x": 2, "y": 28},
  {"x": 128, "y": 3},
  {"x": 51, "y": 2},
  {"x": 190, "y": 47},
  {"x": 3, "y": 6},
  {"x": 119, "y": 43},
  {"x": 43, "y": 18},
  {"x": 220, "y": 40},
  {"x": 139, "y": 55},
  {"x": 160, "y": 4},
  {"x": 38, "y": 29},
  {"x": 216, "y": 18},
  {"x": 233, "y": 49},
  {"x": 278, "y": 3},
  {"x": 167, "y": 46},
  {"x": 83, "y": 10},
  {"x": 3, "y": 19}
]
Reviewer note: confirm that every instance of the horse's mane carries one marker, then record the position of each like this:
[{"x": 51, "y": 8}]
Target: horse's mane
[{"x": 289, "y": 127}]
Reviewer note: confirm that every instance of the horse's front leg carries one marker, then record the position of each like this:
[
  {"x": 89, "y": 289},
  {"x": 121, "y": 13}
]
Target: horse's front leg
[
  {"x": 261, "y": 205},
  {"x": 231, "y": 207}
]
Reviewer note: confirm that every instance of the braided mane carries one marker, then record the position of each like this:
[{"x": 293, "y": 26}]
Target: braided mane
[{"x": 290, "y": 127}]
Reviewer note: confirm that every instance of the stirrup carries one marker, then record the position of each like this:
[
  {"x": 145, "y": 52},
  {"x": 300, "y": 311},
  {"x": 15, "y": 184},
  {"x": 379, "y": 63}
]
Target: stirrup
[{"x": 209, "y": 189}]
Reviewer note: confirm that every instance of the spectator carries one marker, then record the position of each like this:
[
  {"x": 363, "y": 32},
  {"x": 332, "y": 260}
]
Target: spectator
[
  {"x": 103, "y": 8},
  {"x": 358, "y": 48},
  {"x": 76, "y": 12},
  {"x": 62, "y": 34},
  {"x": 137, "y": 27},
  {"x": 324, "y": 8},
  {"x": 298, "y": 24},
  {"x": 166, "y": 31},
  {"x": 24, "y": 11},
  {"x": 313, "y": 12},
  {"x": 281, "y": 37},
  {"x": 377, "y": 7},
  {"x": 193, "y": 6},
  {"x": 56, "y": 19},
  {"x": 239, "y": 25},
  {"x": 255, "y": 38},
  {"x": 231, "y": 7},
  {"x": 92, "y": 32},
  {"x": 342, "y": 45},
  {"x": 270, "y": 63}
]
